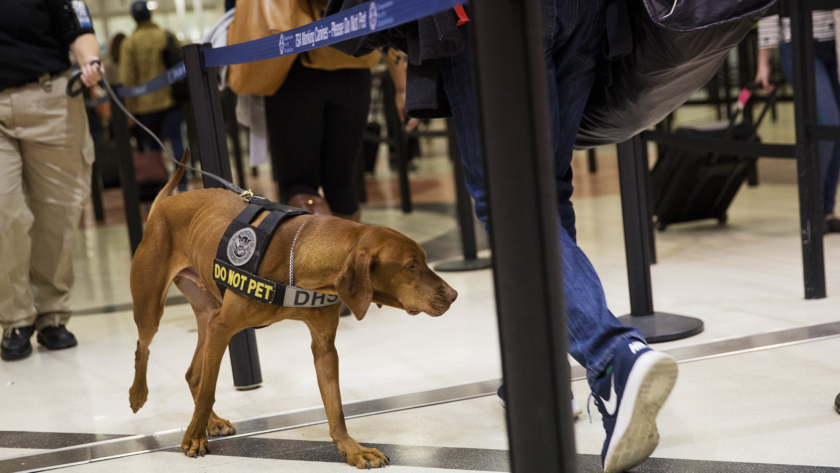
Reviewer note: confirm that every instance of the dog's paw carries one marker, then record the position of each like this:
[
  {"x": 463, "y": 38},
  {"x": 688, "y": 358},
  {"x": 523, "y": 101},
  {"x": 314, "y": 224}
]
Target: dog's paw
[
  {"x": 195, "y": 445},
  {"x": 137, "y": 397},
  {"x": 364, "y": 458},
  {"x": 217, "y": 426}
]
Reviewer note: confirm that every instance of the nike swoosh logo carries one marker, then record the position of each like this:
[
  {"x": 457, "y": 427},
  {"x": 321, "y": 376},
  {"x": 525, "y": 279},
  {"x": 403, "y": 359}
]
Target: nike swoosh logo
[{"x": 612, "y": 403}]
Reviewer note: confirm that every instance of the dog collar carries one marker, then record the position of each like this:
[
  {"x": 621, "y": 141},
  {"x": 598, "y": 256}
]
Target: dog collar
[{"x": 241, "y": 251}]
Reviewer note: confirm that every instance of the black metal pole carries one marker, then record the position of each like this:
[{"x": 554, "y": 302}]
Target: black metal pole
[
  {"x": 807, "y": 150},
  {"x": 232, "y": 129},
  {"x": 211, "y": 149},
  {"x": 592, "y": 157},
  {"x": 128, "y": 182},
  {"x": 400, "y": 138},
  {"x": 655, "y": 326},
  {"x": 464, "y": 208},
  {"x": 96, "y": 189},
  {"x": 516, "y": 141}
]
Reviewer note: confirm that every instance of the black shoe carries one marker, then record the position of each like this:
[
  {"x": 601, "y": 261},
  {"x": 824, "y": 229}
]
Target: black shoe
[
  {"x": 832, "y": 226},
  {"x": 56, "y": 338},
  {"x": 16, "y": 345}
]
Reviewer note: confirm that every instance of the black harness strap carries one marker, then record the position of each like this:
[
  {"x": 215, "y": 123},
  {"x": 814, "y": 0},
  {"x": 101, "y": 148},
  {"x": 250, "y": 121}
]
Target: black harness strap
[{"x": 241, "y": 251}]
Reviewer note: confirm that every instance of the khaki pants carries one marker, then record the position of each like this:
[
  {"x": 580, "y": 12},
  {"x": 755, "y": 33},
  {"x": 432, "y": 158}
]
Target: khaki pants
[{"x": 46, "y": 154}]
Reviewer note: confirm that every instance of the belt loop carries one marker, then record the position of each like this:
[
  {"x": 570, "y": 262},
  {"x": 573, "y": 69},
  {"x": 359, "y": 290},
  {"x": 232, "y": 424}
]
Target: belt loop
[{"x": 45, "y": 81}]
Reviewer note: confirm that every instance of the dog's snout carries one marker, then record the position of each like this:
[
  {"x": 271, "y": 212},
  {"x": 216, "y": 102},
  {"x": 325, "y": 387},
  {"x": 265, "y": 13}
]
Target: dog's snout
[{"x": 451, "y": 294}]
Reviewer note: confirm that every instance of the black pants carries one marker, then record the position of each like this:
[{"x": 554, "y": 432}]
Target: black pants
[{"x": 315, "y": 123}]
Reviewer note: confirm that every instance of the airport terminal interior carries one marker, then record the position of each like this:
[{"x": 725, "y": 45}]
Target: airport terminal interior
[{"x": 755, "y": 391}]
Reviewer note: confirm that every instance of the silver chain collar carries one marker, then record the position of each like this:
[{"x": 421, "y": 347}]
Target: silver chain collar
[{"x": 292, "y": 256}]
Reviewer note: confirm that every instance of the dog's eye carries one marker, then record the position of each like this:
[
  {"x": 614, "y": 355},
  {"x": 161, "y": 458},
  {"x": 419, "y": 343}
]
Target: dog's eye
[{"x": 412, "y": 265}]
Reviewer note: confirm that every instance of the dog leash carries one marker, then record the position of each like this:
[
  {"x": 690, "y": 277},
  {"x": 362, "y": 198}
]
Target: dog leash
[{"x": 247, "y": 195}]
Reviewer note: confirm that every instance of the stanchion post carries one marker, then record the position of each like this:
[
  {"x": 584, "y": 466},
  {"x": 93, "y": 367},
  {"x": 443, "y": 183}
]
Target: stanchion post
[
  {"x": 592, "y": 158},
  {"x": 516, "y": 141},
  {"x": 654, "y": 326},
  {"x": 212, "y": 151},
  {"x": 96, "y": 189},
  {"x": 807, "y": 151},
  {"x": 400, "y": 143},
  {"x": 464, "y": 208},
  {"x": 128, "y": 181}
]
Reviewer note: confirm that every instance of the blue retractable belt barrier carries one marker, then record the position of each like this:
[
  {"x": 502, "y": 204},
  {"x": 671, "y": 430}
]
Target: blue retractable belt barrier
[
  {"x": 358, "y": 21},
  {"x": 354, "y": 22},
  {"x": 171, "y": 76}
]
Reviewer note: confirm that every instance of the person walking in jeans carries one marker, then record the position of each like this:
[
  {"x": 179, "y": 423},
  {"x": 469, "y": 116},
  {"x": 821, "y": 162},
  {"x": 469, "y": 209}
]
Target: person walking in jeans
[
  {"x": 630, "y": 382},
  {"x": 774, "y": 32}
]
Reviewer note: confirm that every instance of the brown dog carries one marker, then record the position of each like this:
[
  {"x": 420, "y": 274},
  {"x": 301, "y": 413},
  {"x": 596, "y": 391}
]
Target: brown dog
[{"x": 361, "y": 264}]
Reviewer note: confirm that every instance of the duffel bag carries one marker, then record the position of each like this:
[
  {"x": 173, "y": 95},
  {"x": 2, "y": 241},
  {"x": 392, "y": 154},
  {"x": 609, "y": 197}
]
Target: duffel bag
[{"x": 678, "y": 46}]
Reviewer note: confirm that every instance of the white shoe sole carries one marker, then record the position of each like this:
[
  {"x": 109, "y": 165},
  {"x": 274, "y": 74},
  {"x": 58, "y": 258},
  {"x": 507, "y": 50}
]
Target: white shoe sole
[{"x": 635, "y": 436}]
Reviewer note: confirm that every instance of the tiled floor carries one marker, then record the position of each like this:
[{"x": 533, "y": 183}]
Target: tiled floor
[{"x": 772, "y": 406}]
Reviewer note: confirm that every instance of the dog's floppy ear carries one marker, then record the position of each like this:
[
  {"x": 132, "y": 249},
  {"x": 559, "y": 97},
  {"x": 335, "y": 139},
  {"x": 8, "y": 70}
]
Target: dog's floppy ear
[{"x": 353, "y": 283}]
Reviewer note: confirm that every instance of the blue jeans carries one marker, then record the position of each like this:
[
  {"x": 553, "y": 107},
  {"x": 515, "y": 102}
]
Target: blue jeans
[
  {"x": 828, "y": 113},
  {"x": 167, "y": 125},
  {"x": 574, "y": 41}
]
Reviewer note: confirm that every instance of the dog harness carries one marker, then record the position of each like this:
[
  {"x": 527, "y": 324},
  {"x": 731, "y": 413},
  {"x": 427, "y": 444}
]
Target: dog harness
[{"x": 242, "y": 249}]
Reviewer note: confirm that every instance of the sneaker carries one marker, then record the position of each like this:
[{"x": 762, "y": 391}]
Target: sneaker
[
  {"x": 56, "y": 338},
  {"x": 16, "y": 344},
  {"x": 629, "y": 396},
  {"x": 576, "y": 409}
]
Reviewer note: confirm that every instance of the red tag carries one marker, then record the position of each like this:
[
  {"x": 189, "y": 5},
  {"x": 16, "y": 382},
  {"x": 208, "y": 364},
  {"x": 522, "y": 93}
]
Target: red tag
[{"x": 462, "y": 15}]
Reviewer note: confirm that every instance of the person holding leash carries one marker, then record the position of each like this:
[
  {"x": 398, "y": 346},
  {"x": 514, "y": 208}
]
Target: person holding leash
[{"x": 46, "y": 153}]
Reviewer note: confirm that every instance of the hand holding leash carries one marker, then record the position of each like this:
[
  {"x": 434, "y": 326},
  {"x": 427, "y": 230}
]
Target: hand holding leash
[{"x": 85, "y": 78}]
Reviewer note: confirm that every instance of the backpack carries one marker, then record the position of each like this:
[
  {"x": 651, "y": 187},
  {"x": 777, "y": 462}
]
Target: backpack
[{"x": 172, "y": 55}]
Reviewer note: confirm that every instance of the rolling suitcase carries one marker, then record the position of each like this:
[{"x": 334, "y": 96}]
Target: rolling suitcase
[{"x": 689, "y": 185}]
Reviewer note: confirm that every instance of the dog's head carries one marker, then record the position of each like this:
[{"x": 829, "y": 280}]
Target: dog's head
[{"x": 388, "y": 268}]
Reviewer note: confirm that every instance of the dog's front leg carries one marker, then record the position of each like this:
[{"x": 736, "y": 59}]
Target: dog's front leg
[
  {"x": 323, "y": 330},
  {"x": 217, "y": 338}
]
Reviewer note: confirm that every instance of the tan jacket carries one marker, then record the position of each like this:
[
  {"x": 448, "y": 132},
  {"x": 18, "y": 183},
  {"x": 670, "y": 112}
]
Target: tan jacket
[{"x": 141, "y": 60}]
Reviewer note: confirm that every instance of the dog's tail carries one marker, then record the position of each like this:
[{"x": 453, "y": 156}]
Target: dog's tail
[{"x": 173, "y": 182}]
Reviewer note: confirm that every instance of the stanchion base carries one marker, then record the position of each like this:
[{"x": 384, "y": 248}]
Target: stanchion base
[
  {"x": 464, "y": 265},
  {"x": 661, "y": 327},
  {"x": 248, "y": 388}
]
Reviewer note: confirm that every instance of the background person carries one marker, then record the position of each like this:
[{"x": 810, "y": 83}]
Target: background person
[
  {"x": 315, "y": 124},
  {"x": 141, "y": 60},
  {"x": 46, "y": 153},
  {"x": 774, "y": 32},
  {"x": 574, "y": 41}
]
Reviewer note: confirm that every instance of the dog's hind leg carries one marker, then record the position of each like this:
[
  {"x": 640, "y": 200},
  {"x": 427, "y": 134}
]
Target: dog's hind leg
[
  {"x": 205, "y": 307},
  {"x": 149, "y": 284}
]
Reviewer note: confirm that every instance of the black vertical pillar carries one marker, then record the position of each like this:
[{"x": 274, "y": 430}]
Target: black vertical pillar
[
  {"x": 655, "y": 326},
  {"x": 464, "y": 208},
  {"x": 516, "y": 141},
  {"x": 128, "y": 181},
  {"x": 400, "y": 138},
  {"x": 96, "y": 188},
  {"x": 807, "y": 151},
  {"x": 211, "y": 150},
  {"x": 592, "y": 159}
]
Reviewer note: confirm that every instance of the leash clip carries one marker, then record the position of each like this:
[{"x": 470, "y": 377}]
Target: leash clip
[{"x": 247, "y": 196}]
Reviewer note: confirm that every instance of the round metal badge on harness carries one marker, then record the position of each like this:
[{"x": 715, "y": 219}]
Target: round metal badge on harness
[{"x": 241, "y": 246}]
